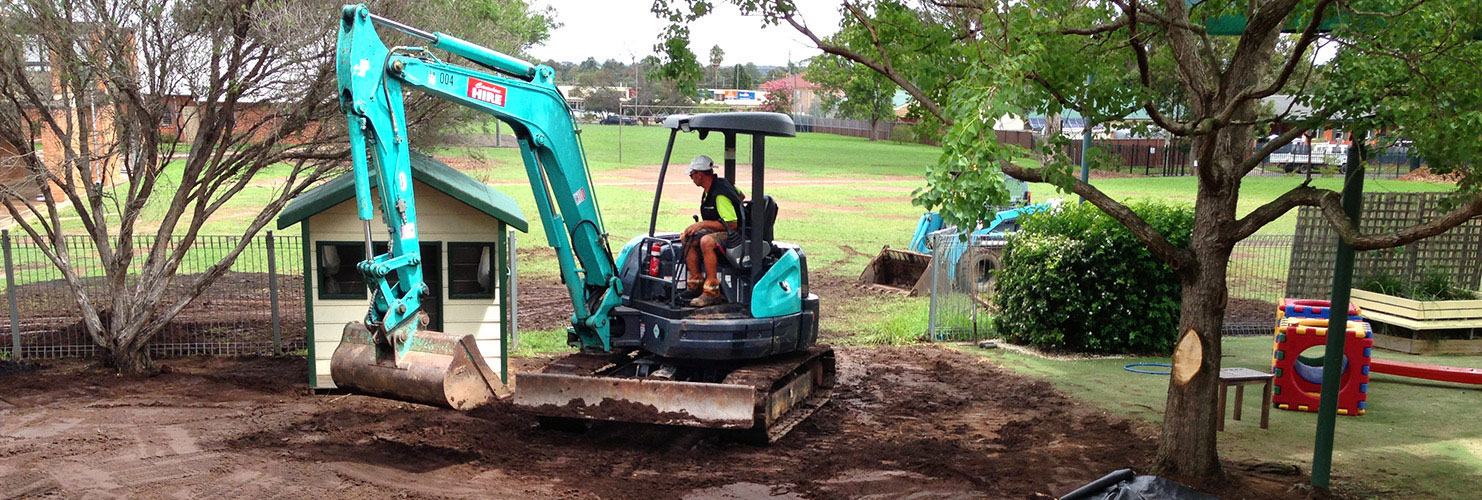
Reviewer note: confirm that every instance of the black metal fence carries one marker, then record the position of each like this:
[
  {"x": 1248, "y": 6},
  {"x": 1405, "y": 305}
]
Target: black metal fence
[{"x": 255, "y": 308}]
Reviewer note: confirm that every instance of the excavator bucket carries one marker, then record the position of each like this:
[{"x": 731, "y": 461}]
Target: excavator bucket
[
  {"x": 899, "y": 270},
  {"x": 439, "y": 369}
]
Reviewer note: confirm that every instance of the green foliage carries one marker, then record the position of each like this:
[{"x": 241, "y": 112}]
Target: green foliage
[
  {"x": 1077, "y": 280},
  {"x": 673, "y": 60},
  {"x": 1434, "y": 284},
  {"x": 859, "y": 92},
  {"x": 604, "y": 100}
]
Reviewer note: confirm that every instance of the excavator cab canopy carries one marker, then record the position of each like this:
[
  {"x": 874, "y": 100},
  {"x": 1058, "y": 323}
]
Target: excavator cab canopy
[{"x": 765, "y": 124}]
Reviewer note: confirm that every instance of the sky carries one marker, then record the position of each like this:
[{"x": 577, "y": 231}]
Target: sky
[{"x": 626, "y": 30}]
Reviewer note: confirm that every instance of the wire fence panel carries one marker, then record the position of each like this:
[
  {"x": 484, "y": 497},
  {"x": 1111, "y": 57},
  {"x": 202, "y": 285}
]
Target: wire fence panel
[
  {"x": 962, "y": 283},
  {"x": 1256, "y": 279},
  {"x": 233, "y": 316}
]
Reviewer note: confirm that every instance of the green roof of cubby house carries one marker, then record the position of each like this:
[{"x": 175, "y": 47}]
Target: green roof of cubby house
[{"x": 425, "y": 169}]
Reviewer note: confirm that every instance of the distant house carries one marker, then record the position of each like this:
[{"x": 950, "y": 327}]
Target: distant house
[
  {"x": 100, "y": 121},
  {"x": 463, "y": 226},
  {"x": 805, "y": 94},
  {"x": 1286, "y": 105}
]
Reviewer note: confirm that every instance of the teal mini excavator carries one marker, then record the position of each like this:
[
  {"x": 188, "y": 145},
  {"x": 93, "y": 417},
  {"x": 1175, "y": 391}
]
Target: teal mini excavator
[{"x": 750, "y": 365}]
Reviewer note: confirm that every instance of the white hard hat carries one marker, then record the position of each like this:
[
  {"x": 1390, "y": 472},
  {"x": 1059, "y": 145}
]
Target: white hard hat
[{"x": 701, "y": 163}]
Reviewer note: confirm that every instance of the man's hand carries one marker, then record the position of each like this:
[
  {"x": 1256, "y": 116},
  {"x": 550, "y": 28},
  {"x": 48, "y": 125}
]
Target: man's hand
[{"x": 685, "y": 235}]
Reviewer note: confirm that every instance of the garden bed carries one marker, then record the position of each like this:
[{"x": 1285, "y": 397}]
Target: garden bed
[{"x": 1422, "y": 326}]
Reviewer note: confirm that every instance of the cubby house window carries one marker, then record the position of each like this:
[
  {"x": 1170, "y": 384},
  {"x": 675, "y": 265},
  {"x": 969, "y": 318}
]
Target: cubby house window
[
  {"x": 338, "y": 276},
  {"x": 340, "y": 279},
  {"x": 470, "y": 270}
]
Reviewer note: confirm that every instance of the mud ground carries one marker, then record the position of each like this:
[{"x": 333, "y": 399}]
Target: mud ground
[{"x": 918, "y": 422}]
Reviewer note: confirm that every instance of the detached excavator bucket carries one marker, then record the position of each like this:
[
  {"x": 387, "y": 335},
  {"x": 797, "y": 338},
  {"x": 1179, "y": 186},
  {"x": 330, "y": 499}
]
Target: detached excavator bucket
[
  {"x": 439, "y": 369},
  {"x": 899, "y": 271}
]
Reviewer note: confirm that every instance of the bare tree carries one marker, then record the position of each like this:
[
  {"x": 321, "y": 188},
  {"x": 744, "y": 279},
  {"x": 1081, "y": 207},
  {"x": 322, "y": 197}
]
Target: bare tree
[{"x": 241, "y": 86}]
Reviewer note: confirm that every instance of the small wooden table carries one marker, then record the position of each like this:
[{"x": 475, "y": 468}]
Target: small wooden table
[{"x": 1241, "y": 377}]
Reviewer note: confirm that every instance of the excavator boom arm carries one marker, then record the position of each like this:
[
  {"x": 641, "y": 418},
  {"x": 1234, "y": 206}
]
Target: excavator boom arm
[{"x": 371, "y": 80}]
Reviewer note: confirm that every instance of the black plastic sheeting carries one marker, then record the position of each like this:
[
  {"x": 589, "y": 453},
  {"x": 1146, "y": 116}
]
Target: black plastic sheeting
[{"x": 1127, "y": 485}]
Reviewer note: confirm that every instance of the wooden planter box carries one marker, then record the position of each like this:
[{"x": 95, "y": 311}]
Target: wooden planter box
[{"x": 1423, "y": 327}]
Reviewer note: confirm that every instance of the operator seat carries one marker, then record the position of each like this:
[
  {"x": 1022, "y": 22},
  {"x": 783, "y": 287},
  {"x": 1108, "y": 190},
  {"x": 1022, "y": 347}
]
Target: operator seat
[{"x": 736, "y": 257}]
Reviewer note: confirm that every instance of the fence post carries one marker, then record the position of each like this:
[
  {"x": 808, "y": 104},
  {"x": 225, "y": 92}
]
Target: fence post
[
  {"x": 15, "y": 315},
  {"x": 514, "y": 294},
  {"x": 931, "y": 270},
  {"x": 273, "y": 296}
]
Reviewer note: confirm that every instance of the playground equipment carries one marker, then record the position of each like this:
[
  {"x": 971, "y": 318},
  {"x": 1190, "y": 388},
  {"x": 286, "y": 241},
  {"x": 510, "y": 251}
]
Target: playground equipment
[
  {"x": 1302, "y": 324},
  {"x": 1428, "y": 372},
  {"x": 1299, "y": 379}
]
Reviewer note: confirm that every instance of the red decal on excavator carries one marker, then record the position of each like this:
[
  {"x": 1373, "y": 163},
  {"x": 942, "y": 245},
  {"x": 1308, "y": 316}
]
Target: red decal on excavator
[{"x": 485, "y": 91}]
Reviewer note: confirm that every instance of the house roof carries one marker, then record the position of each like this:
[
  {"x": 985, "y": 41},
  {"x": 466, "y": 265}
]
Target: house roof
[
  {"x": 433, "y": 173},
  {"x": 796, "y": 82}
]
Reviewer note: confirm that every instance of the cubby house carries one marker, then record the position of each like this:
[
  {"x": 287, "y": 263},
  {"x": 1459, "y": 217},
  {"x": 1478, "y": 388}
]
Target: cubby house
[{"x": 463, "y": 225}]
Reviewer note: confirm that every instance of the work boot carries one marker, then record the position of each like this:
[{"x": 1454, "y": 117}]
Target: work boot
[
  {"x": 711, "y": 297},
  {"x": 692, "y": 290}
]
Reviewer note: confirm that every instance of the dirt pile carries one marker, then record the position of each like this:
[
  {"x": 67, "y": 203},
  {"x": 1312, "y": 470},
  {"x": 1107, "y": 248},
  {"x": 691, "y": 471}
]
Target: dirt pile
[{"x": 1424, "y": 174}]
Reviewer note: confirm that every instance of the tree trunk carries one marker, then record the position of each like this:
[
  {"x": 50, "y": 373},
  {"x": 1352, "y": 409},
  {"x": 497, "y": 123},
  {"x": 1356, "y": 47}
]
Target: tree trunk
[
  {"x": 1187, "y": 446},
  {"x": 126, "y": 360}
]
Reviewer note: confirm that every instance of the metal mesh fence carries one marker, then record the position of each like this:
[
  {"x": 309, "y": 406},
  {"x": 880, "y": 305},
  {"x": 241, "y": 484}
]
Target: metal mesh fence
[
  {"x": 1256, "y": 278},
  {"x": 962, "y": 281},
  {"x": 961, "y": 286},
  {"x": 255, "y": 308}
]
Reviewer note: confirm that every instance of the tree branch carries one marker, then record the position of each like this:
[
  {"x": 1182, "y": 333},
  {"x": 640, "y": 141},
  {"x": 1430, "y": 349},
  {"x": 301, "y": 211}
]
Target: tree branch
[
  {"x": 883, "y": 67},
  {"x": 1179, "y": 258}
]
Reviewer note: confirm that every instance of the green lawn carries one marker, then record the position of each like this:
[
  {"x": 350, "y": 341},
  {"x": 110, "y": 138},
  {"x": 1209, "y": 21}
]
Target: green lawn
[{"x": 1418, "y": 439}]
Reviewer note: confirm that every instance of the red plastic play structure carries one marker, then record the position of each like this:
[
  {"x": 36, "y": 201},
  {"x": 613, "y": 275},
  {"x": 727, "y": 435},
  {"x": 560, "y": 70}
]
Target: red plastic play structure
[
  {"x": 1297, "y": 384},
  {"x": 1302, "y": 324}
]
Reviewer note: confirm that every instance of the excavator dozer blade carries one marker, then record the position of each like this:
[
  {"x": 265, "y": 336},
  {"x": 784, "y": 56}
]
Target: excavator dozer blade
[
  {"x": 898, "y": 270},
  {"x": 765, "y": 398},
  {"x": 439, "y": 369}
]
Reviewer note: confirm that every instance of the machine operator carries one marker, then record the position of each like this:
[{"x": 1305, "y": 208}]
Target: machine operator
[{"x": 717, "y": 230}]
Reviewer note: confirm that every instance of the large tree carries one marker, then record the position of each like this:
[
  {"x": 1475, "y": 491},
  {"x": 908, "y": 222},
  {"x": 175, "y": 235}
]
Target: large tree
[
  {"x": 242, "y": 86},
  {"x": 717, "y": 56},
  {"x": 853, "y": 91},
  {"x": 1407, "y": 66}
]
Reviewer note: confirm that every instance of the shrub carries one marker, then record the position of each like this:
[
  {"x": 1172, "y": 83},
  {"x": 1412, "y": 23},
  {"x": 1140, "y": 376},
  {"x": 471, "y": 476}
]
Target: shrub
[
  {"x": 1076, "y": 280},
  {"x": 1433, "y": 285}
]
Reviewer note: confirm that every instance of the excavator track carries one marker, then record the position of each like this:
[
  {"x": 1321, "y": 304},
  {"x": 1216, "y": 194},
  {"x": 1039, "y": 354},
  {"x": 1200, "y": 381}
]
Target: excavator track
[{"x": 761, "y": 400}]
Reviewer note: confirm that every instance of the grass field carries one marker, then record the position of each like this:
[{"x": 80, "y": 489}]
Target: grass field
[
  {"x": 1419, "y": 439},
  {"x": 843, "y": 198}
]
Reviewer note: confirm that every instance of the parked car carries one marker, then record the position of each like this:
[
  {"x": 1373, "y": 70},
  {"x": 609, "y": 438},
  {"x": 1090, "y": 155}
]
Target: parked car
[
  {"x": 1303, "y": 158},
  {"x": 619, "y": 120}
]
